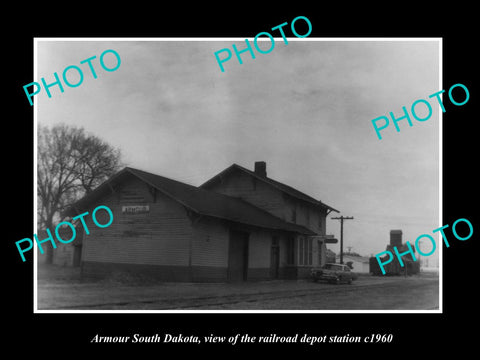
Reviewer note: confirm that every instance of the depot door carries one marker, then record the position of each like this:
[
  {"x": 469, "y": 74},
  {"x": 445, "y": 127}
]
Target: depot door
[
  {"x": 274, "y": 258},
  {"x": 238, "y": 256}
]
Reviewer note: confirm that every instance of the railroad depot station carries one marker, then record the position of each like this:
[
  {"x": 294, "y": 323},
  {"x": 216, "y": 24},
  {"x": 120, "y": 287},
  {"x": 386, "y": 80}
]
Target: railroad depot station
[{"x": 239, "y": 225}]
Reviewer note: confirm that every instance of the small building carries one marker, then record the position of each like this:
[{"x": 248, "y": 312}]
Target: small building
[
  {"x": 239, "y": 225},
  {"x": 359, "y": 264}
]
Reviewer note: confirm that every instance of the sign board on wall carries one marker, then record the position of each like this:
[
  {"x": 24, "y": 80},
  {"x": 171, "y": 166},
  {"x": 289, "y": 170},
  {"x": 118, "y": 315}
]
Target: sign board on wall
[{"x": 135, "y": 209}]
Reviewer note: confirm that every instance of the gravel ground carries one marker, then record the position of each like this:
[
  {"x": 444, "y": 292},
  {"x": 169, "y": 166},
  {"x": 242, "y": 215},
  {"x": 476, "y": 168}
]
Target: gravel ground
[{"x": 61, "y": 288}]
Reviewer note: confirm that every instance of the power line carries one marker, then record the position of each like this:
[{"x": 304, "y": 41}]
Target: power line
[{"x": 341, "y": 218}]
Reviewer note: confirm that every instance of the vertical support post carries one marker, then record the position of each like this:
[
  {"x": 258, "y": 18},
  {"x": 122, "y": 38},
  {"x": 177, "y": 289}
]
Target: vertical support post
[{"x": 341, "y": 218}]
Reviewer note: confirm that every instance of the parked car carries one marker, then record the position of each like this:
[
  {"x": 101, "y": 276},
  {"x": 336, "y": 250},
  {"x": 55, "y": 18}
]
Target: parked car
[{"x": 334, "y": 273}]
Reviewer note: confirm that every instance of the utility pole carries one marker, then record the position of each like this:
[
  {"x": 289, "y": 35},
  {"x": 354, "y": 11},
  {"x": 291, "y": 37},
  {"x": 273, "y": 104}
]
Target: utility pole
[{"x": 341, "y": 218}]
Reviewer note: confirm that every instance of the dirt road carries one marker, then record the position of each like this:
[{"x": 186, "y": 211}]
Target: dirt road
[{"x": 367, "y": 293}]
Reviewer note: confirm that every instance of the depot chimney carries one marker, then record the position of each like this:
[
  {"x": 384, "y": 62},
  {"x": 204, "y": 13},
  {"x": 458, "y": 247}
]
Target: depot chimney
[{"x": 261, "y": 168}]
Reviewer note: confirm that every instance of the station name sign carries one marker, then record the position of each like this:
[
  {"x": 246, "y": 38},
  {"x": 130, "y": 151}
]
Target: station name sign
[{"x": 135, "y": 209}]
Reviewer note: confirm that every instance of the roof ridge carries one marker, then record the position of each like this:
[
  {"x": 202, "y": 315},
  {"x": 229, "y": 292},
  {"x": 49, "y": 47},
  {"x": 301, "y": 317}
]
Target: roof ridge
[
  {"x": 279, "y": 182},
  {"x": 202, "y": 201},
  {"x": 270, "y": 214},
  {"x": 213, "y": 194},
  {"x": 276, "y": 184}
]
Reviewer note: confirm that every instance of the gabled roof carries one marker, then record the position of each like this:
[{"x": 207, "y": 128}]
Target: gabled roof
[
  {"x": 282, "y": 187},
  {"x": 201, "y": 201}
]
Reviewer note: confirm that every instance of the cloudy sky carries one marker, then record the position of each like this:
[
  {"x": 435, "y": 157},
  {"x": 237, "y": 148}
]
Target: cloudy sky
[{"x": 305, "y": 108}]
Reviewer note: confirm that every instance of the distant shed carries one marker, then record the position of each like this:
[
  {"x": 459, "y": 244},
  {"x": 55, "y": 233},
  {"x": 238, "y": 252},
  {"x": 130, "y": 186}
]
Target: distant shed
[{"x": 360, "y": 264}]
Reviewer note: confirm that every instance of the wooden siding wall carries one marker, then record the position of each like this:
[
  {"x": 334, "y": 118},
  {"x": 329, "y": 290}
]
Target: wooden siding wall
[
  {"x": 160, "y": 237},
  {"x": 254, "y": 191},
  {"x": 307, "y": 215},
  {"x": 210, "y": 243},
  {"x": 284, "y": 206},
  {"x": 191, "y": 248},
  {"x": 259, "y": 246},
  {"x": 265, "y": 196}
]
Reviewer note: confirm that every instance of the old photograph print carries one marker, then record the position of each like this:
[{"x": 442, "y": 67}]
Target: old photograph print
[{"x": 263, "y": 187}]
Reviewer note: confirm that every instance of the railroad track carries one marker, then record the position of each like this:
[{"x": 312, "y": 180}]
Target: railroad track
[
  {"x": 272, "y": 295},
  {"x": 219, "y": 300}
]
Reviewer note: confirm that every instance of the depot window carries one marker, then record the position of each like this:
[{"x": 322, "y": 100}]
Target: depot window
[{"x": 305, "y": 251}]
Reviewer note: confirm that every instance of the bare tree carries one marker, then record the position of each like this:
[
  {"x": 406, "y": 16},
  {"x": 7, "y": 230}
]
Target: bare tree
[{"x": 70, "y": 164}]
